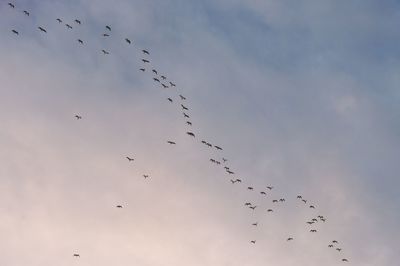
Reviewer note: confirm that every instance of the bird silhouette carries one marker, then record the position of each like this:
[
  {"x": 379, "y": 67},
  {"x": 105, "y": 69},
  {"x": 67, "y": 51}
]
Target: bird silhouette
[
  {"x": 127, "y": 40},
  {"x": 305, "y": 201},
  {"x": 263, "y": 193},
  {"x": 274, "y": 201},
  {"x": 171, "y": 142},
  {"x": 255, "y": 224},
  {"x": 169, "y": 99},
  {"x": 80, "y": 41},
  {"x": 78, "y": 117},
  {"x": 345, "y": 260},
  {"x": 59, "y": 20},
  {"x": 145, "y": 61},
  {"x": 119, "y": 206},
  {"x": 155, "y": 71},
  {"x": 182, "y": 97},
  {"x": 145, "y": 52},
  {"x": 164, "y": 86},
  {"x": 108, "y": 28},
  {"x": 313, "y": 231},
  {"x": 11, "y": 5},
  {"x": 185, "y": 115},
  {"x": 77, "y": 21},
  {"x": 68, "y": 26},
  {"x": 164, "y": 77},
  {"x": 253, "y": 207},
  {"x": 26, "y": 13},
  {"x": 270, "y": 188},
  {"x": 16, "y": 32},
  {"x": 189, "y": 123},
  {"x": 247, "y": 204},
  {"x": 172, "y": 84},
  {"x": 105, "y": 52},
  {"x": 334, "y": 241},
  {"x": 184, "y": 107},
  {"x": 312, "y": 207},
  {"x": 330, "y": 246},
  {"x": 225, "y": 160},
  {"x": 129, "y": 158},
  {"x": 142, "y": 69},
  {"x": 289, "y": 239},
  {"x": 42, "y": 29},
  {"x": 270, "y": 210},
  {"x": 145, "y": 176},
  {"x": 156, "y": 79},
  {"x": 299, "y": 197},
  {"x": 253, "y": 241},
  {"x": 76, "y": 255},
  {"x": 250, "y": 188},
  {"x": 339, "y": 249},
  {"x": 106, "y": 35},
  {"x": 190, "y": 133}
]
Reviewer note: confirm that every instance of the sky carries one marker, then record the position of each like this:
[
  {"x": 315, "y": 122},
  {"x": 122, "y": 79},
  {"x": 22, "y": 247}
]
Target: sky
[{"x": 301, "y": 95}]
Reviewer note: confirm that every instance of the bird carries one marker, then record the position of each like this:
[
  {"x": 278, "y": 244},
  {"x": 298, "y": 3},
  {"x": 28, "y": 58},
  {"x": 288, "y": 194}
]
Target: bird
[
  {"x": 250, "y": 188},
  {"x": 127, "y": 40},
  {"x": 164, "y": 86},
  {"x": 190, "y": 133},
  {"x": 142, "y": 69},
  {"x": 310, "y": 223},
  {"x": 68, "y": 26},
  {"x": 289, "y": 239},
  {"x": 230, "y": 172},
  {"x": 274, "y": 201},
  {"x": 145, "y": 176},
  {"x": 184, "y": 107},
  {"x": 185, "y": 115},
  {"x": 77, "y": 21},
  {"x": 255, "y": 224},
  {"x": 145, "y": 52},
  {"x": 181, "y": 96},
  {"x": 169, "y": 99},
  {"x": 281, "y": 200},
  {"x": 312, "y": 207},
  {"x": 11, "y": 5},
  {"x": 42, "y": 29},
  {"x": 339, "y": 249},
  {"x": 171, "y": 142},
  {"x": 26, "y": 13},
  {"x": 172, "y": 84},
  {"x": 270, "y": 188},
  {"x": 129, "y": 158},
  {"x": 16, "y": 32},
  {"x": 106, "y": 35},
  {"x": 334, "y": 241},
  {"x": 323, "y": 219},
  {"x": 76, "y": 255},
  {"x": 189, "y": 123},
  {"x": 156, "y": 79},
  {"x": 108, "y": 28},
  {"x": 299, "y": 197},
  {"x": 247, "y": 204},
  {"x": 225, "y": 160},
  {"x": 330, "y": 246},
  {"x": 164, "y": 77},
  {"x": 80, "y": 41},
  {"x": 155, "y": 71},
  {"x": 305, "y": 201},
  {"x": 345, "y": 260},
  {"x": 145, "y": 61},
  {"x": 314, "y": 220},
  {"x": 238, "y": 180},
  {"x": 208, "y": 144},
  {"x": 59, "y": 20},
  {"x": 105, "y": 52},
  {"x": 270, "y": 210},
  {"x": 253, "y": 241},
  {"x": 233, "y": 181},
  {"x": 78, "y": 117},
  {"x": 218, "y": 147},
  {"x": 253, "y": 207},
  {"x": 313, "y": 231},
  {"x": 263, "y": 193},
  {"x": 119, "y": 206}
]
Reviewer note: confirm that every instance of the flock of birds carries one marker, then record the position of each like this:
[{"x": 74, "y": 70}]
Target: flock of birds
[{"x": 166, "y": 83}]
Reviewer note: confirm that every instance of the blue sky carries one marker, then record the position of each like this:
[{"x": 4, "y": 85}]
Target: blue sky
[{"x": 302, "y": 95}]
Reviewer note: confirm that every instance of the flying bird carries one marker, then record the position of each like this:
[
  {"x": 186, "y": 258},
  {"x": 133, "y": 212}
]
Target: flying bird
[
  {"x": 105, "y": 52},
  {"x": 330, "y": 246},
  {"x": 299, "y": 197},
  {"x": 164, "y": 77},
  {"x": 313, "y": 231},
  {"x": 142, "y": 69},
  {"x": 270, "y": 210},
  {"x": 155, "y": 71},
  {"x": 255, "y": 224},
  {"x": 274, "y": 201},
  {"x": 289, "y": 239},
  {"x": 190, "y": 133},
  {"x": 11, "y": 5},
  {"x": 253, "y": 207},
  {"x": 156, "y": 79},
  {"x": 312, "y": 207},
  {"x": 145, "y": 61},
  {"x": 230, "y": 172},
  {"x": 250, "y": 188},
  {"x": 76, "y": 255},
  {"x": 218, "y": 147},
  {"x": 108, "y": 28},
  {"x": 59, "y": 20},
  {"x": 119, "y": 206},
  {"x": 247, "y": 204},
  {"x": 106, "y": 35},
  {"x": 68, "y": 26},
  {"x": 182, "y": 97},
  {"x": 185, "y": 115},
  {"x": 189, "y": 123},
  {"x": 78, "y": 117},
  {"x": 270, "y": 188},
  {"x": 145, "y": 52},
  {"x": 339, "y": 249},
  {"x": 263, "y": 193},
  {"x": 305, "y": 201},
  {"x": 164, "y": 86},
  {"x": 169, "y": 99},
  {"x": 334, "y": 241},
  {"x": 171, "y": 142},
  {"x": 172, "y": 84},
  {"x": 129, "y": 159},
  {"x": 225, "y": 160},
  {"x": 281, "y": 200},
  {"x": 26, "y": 13},
  {"x": 127, "y": 40},
  {"x": 77, "y": 21},
  {"x": 345, "y": 260},
  {"x": 42, "y": 29},
  {"x": 16, "y": 32},
  {"x": 253, "y": 241},
  {"x": 145, "y": 176},
  {"x": 80, "y": 41},
  {"x": 184, "y": 107}
]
